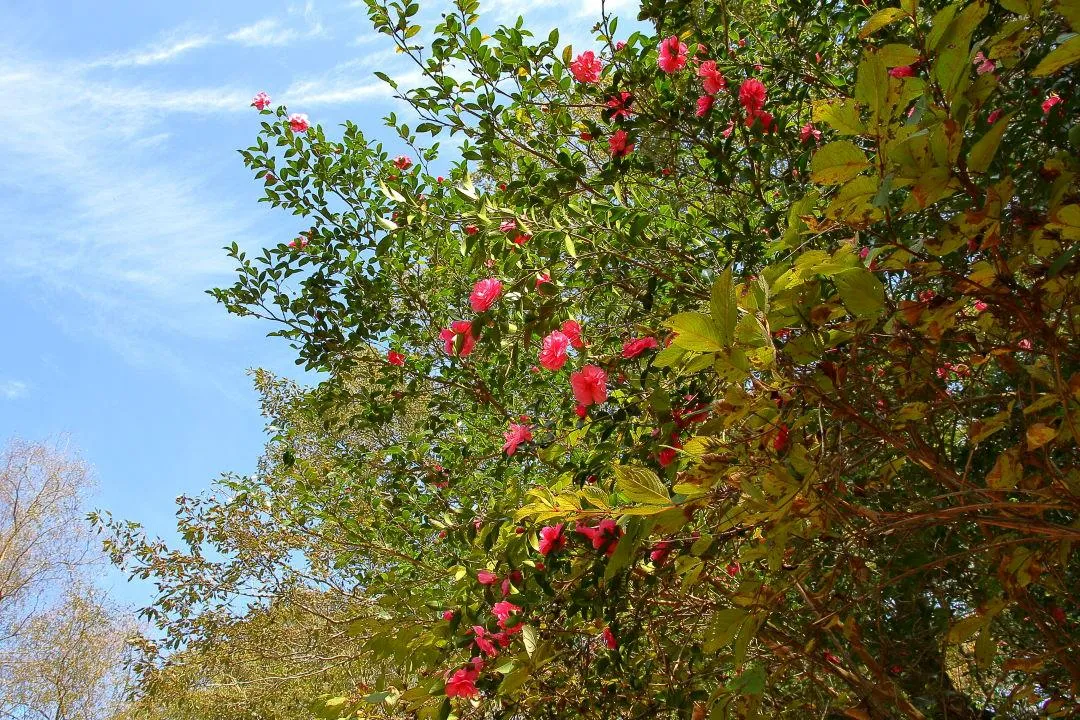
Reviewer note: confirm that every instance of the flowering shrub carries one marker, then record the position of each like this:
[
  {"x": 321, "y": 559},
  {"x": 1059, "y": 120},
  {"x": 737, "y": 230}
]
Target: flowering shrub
[{"x": 834, "y": 466}]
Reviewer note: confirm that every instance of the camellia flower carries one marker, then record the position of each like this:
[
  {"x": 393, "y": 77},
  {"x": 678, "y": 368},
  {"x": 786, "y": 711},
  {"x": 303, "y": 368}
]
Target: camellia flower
[
  {"x": 752, "y": 96},
  {"x": 553, "y": 350},
  {"x": 808, "y": 131},
  {"x": 486, "y": 577},
  {"x": 619, "y": 45},
  {"x": 503, "y": 610},
  {"x": 521, "y": 238},
  {"x": 516, "y": 435},
  {"x": 780, "y": 441},
  {"x": 402, "y": 162},
  {"x": 1024, "y": 344},
  {"x": 572, "y": 330},
  {"x": 585, "y": 136},
  {"x": 619, "y": 144},
  {"x": 552, "y": 539},
  {"x": 671, "y": 54},
  {"x": 462, "y": 684},
  {"x": 619, "y": 104},
  {"x": 980, "y": 306},
  {"x": 507, "y": 226},
  {"x": 1050, "y": 102},
  {"x": 726, "y": 132},
  {"x": 261, "y": 101},
  {"x": 633, "y": 348},
  {"x": 484, "y": 294},
  {"x": 604, "y": 537},
  {"x": 542, "y": 279},
  {"x": 609, "y": 639},
  {"x": 581, "y": 411},
  {"x": 299, "y": 122},
  {"x": 471, "y": 229},
  {"x": 902, "y": 72},
  {"x": 395, "y": 358},
  {"x": 300, "y": 243},
  {"x": 733, "y": 568},
  {"x": 589, "y": 385},
  {"x": 448, "y": 615},
  {"x": 704, "y": 105},
  {"x": 983, "y": 64},
  {"x": 449, "y": 337},
  {"x": 483, "y": 640},
  {"x": 660, "y": 551},
  {"x": 667, "y": 456},
  {"x": 586, "y": 68},
  {"x": 711, "y": 79},
  {"x": 993, "y": 116}
]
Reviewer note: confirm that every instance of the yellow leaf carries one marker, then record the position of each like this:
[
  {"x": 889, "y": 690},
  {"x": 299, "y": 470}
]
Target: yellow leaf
[
  {"x": 1039, "y": 434},
  {"x": 1065, "y": 54},
  {"x": 837, "y": 163},
  {"x": 879, "y": 20}
]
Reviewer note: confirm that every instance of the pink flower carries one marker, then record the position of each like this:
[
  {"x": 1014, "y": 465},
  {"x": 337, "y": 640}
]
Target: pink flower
[
  {"x": 1024, "y": 344},
  {"x": 516, "y": 435},
  {"x": 572, "y": 330},
  {"x": 300, "y": 243},
  {"x": 543, "y": 279},
  {"x": 993, "y": 116},
  {"x": 402, "y": 162},
  {"x": 808, "y": 131},
  {"x": 983, "y": 64},
  {"x": 726, "y": 132},
  {"x": 1050, "y": 102},
  {"x": 553, "y": 350},
  {"x": 980, "y": 306},
  {"x": 752, "y": 96},
  {"x": 633, "y": 348},
  {"x": 660, "y": 551},
  {"x": 667, "y": 456},
  {"x": 902, "y": 72},
  {"x": 619, "y": 45},
  {"x": 704, "y": 105},
  {"x": 609, "y": 639},
  {"x": 462, "y": 684},
  {"x": 395, "y": 358},
  {"x": 484, "y": 294},
  {"x": 486, "y": 577},
  {"x": 503, "y": 610},
  {"x": 481, "y": 638},
  {"x": 471, "y": 229},
  {"x": 261, "y": 101},
  {"x": 448, "y": 615},
  {"x": 671, "y": 54},
  {"x": 552, "y": 539},
  {"x": 604, "y": 537},
  {"x": 586, "y": 68},
  {"x": 507, "y": 226},
  {"x": 590, "y": 385},
  {"x": 619, "y": 144},
  {"x": 711, "y": 79},
  {"x": 619, "y": 104},
  {"x": 864, "y": 253},
  {"x": 299, "y": 122},
  {"x": 449, "y": 337}
]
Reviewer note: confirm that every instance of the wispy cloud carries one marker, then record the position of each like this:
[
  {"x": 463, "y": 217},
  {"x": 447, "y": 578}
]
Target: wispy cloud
[
  {"x": 12, "y": 389},
  {"x": 352, "y": 81},
  {"x": 274, "y": 32},
  {"x": 161, "y": 52}
]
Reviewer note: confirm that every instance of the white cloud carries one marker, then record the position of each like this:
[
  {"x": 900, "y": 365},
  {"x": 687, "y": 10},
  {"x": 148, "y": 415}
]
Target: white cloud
[
  {"x": 12, "y": 389},
  {"x": 162, "y": 52},
  {"x": 266, "y": 32}
]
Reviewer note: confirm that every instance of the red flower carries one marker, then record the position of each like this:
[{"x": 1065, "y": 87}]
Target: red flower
[
  {"x": 902, "y": 72},
  {"x": 808, "y": 131},
  {"x": 448, "y": 615},
  {"x": 450, "y": 335},
  {"x": 589, "y": 385},
  {"x": 261, "y": 101},
  {"x": 481, "y": 638},
  {"x": 471, "y": 229},
  {"x": 668, "y": 454},
  {"x": 553, "y": 350},
  {"x": 604, "y": 537},
  {"x": 781, "y": 440},
  {"x": 462, "y": 684},
  {"x": 726, "y": 132},
  {"x": 486, "y": 577},
  {"x": 829, "y": 657},
  {"x": 711, "y": 79},
  {"x": 484, "y": 294},
  {"x": 983, "y": 64},
  {"x": 581, "y": 411},
  {"x": 980, "y": 306},
  {"x": 619, "y": 105},
  {"x": 542, "y": 279},
  {"x": 586, "y": 137},
  {"x": 704, "y": 105},
  {"x": 609, "y": 639},
  {"x": 1050, "y": 102},
  {"x": 1024, "y": 344},
  {"x": 298, "y": 122},
  {"x": 661, "y": 551},
  {"x": 586, "y": 68},
  {"x": 521, "y": 238},
  {"x": 633, "y": 348},
  {"x": 572, "y": 330},
  {"x": 619, "y": 144},
  {"x": 395, "y": 358},
  {"x": 619, "y": 45},
  {"x": 671, "y": 54},
  {"x": 552, "y": 539},
  {"x": 402, "y": 162},
  {"x": 503, "y": 610},
  {"x": 752, "y": 96},
  {"x": 516, "y": 435},
  {"x": 733, "y": 568}
]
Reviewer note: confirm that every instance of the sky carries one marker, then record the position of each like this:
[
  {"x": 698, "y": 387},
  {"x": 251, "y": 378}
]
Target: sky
[{"x": 119, "y": 185}]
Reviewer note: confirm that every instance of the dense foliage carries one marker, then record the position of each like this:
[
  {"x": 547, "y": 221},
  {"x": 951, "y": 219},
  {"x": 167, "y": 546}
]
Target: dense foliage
[{"x": 728, "y": 370}]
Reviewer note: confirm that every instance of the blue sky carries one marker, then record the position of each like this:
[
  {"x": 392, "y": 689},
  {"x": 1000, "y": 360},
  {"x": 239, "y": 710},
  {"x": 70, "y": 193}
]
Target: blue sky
[{"x": 119, "y": 185}]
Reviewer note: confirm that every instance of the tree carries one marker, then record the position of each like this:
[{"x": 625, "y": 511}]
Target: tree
[
  {"x": 62, "y": 644},
  {"x": 737, "y": 361}
]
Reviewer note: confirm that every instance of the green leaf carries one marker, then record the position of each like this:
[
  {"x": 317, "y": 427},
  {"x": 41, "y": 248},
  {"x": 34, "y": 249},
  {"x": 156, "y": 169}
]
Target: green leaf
[
  {"x": 528, "y": 637},
  {"x": 879, "y": 20},
  {"x": 965, "y": 628},
  {"x": 837, "y": 163},
  {"x": 723, "y": 628},
  {"x": 1064, "y": 54},
  {"x": 872, "y": 84},
  {"x": 862, "y": 293},
  {"x": 626, "y": 550},
  {"x": 641, "y": 485},
  {"x": 695, "y": 332},
  {"x": 841, "y": 114},
  {"x": 895, "y": 55},
  {"x": 982, "y": 152},
  {"x": 725, "y": 310}
]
